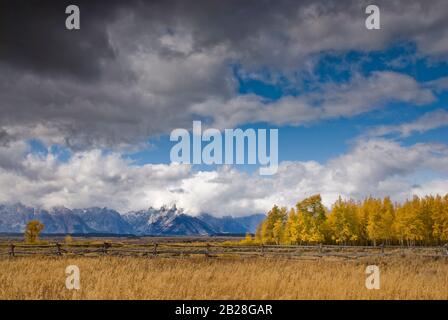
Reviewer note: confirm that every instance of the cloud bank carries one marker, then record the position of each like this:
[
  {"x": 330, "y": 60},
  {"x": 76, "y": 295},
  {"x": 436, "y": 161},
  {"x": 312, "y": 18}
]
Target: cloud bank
[
  {"x": 92, "y": 178},
  {"x": 138, "y": 69}
]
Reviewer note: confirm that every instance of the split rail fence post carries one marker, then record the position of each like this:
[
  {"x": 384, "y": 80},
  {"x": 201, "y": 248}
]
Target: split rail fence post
[
  {"x": 262, "y": 249},
  {"x": 11, "y": 250},
  {"x": 105, "y": 247},
  {"x": 59, "y": 252},
  {"x": 154, "y": 250},
  {"x": 207, "y": 251}
]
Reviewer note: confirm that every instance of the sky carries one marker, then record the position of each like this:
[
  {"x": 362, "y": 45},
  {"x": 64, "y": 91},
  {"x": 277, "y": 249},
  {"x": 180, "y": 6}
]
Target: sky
[{"x": 86, "y": 115}]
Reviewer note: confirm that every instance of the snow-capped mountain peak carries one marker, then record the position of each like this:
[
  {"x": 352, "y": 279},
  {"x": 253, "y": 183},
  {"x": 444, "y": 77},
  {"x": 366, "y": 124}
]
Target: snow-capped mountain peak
[{"x": 168, "y": 220}]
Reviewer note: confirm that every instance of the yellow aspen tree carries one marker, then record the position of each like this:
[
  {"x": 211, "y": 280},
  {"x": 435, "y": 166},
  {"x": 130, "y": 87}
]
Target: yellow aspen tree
[
  {"x": 272, "y": 227},
  {"x": 387, "y": 220},
  {"x": 427, "y": 205},
  {"x": 374, "y": 211},
  {"x": 247, "y": 240},
  {"x": 266, "y": 232},
  {"x": 399, "y": 225},
  {"x": 444, "y": 220},
  {"x": 290, "y": 232},
  {"x": 258, "y": 233},
  {"x": 363, "y": 220},
  {"x": 343, "y": 222},
  {"x": 277, "y": 231},
  {"x": 312, "y": 216},
  {"x": 414, "y": 226},
  {"x": 439, "y": 217},
  {"x": 32, "y": 231},
  {"x": 302, "y": 228}
]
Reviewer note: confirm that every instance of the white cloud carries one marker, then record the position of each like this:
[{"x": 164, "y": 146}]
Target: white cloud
[
  {"x": 360, "y": 95},
  {"x": 437, "y": 186},
  {"x": 430, "y": 120},
  {"x": 373, "y": 167}
]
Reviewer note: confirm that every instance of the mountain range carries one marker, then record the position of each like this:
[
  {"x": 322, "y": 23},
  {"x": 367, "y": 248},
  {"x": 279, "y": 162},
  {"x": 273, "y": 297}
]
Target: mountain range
[{"x": 162, "y": 221}]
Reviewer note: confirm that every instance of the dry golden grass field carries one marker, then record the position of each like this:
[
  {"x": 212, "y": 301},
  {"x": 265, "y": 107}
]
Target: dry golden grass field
[{"x": 236, "y": 278}]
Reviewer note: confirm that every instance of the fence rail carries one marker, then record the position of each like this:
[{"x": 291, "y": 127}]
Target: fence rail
[{"x": 216, "y": 250}]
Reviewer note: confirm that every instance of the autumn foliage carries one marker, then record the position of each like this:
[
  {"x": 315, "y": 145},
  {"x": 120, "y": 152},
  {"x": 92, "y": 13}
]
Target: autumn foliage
[
  {"x": 32, "y": 231},
  {"x": 422, "y": 221}
]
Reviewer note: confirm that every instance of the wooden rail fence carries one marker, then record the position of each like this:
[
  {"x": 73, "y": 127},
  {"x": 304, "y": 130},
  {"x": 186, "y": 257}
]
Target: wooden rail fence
[{"x": 218, "y": 250}]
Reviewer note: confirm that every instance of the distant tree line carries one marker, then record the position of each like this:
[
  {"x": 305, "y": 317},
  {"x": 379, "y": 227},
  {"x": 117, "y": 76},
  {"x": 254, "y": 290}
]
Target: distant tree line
[{"x": 420, "y": 221}]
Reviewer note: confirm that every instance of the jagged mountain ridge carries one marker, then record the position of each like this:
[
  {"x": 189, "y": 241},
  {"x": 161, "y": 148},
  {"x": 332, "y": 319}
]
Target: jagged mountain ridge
[
  {"x": 236, "y": 224},
  {"x": 163, "y": 221},
  {"x": 169, "y": 221}
]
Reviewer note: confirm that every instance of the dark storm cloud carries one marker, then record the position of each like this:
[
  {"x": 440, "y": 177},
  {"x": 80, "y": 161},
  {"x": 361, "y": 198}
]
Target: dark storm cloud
[
  {"x": 33, "y": 33},
  {"x": 33, "y": 36},
  {"x": 4, "y": 138},
  {"x": 141, "y": 68}
]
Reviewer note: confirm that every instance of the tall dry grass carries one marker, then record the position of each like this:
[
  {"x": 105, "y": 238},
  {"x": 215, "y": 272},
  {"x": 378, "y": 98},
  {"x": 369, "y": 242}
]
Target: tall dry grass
[{"x": 199, "y": 278}]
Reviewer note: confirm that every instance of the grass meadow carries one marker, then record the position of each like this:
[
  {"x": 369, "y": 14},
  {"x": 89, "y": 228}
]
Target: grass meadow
[{"x": 111, "y": 277}]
